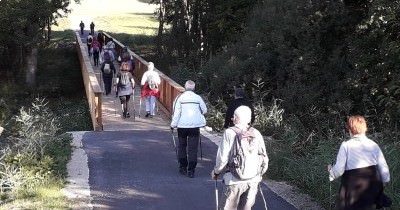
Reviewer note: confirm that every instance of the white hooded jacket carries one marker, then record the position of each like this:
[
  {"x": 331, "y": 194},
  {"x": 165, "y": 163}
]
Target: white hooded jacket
[
  {"x": 189, "y": 109},
  {"x": 150, "y": 71}
]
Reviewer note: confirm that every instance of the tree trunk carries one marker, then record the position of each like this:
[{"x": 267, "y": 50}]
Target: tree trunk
[
  {"x": 31, "y": 66},
  {"x": 48, "y": 30},
  {"x": 161, "y": 29}
]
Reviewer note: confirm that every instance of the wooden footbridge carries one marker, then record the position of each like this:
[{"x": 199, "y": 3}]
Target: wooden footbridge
[{"x": 131, "y": 163}]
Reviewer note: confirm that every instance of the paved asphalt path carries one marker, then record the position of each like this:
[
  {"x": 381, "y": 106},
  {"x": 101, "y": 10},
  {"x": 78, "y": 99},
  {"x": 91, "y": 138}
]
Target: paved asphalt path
[{"x": 138, "y": 169}]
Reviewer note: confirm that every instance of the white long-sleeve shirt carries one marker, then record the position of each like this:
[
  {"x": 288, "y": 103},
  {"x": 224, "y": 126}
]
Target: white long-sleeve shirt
[
  {"x": 223, "y": 154},
  {"x": 359, "y": 152}
]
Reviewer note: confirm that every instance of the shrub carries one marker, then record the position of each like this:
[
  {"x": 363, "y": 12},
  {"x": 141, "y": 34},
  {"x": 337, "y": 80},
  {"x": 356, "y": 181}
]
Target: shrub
[{"x": 36, "y": 154}]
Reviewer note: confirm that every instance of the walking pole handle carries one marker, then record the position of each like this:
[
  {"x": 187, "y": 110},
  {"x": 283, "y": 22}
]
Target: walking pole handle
[{"x": 216, "y": 195}]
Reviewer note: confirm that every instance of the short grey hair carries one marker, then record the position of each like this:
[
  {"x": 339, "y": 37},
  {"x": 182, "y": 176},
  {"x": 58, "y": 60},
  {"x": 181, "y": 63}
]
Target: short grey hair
[
  {"x": 190, "y": 85},
  {"x": 243, "y": 113}
]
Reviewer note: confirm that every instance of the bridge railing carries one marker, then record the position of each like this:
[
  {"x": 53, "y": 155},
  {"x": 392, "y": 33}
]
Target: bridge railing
[
  {"x": 169, "y": 89},
  {"x": 92, "y": 87}
]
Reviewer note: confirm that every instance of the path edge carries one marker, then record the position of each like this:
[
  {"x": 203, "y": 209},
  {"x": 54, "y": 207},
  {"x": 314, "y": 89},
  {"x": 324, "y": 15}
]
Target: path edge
[{"x": 77, "y": 188}]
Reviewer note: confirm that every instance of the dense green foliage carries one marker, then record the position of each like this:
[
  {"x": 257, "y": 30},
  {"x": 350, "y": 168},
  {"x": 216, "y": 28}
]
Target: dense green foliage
[
  {"x": 34, "y": 153},
  {"x": 35, "y": 149},
  {"x": 24, "y": 24},
  {"x": 306, "y": 65}
]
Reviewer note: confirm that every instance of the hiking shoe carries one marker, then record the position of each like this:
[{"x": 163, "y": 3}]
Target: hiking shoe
[
  {"x": 147, "y": 114},
  {"x": 128, "y": 115},
  {"x": 190, "y": 173},
  {"x": 123, "y": 115},
  {"x": 151, "y": 116},
  {"x": 183, "y": 171}
]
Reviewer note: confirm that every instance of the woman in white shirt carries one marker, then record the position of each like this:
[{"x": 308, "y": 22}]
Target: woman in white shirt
[{"x": 362, "y": 167}]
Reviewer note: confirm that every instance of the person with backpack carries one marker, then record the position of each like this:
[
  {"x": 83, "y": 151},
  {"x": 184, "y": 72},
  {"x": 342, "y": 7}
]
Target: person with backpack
[
  {"x": 100, "y": 38},
  {"x": 89, "y": 41},
  {"x": 82, "y": 26},
  {"x": 239, "y": 100},
  {"x": 111, "y": 46},
  {"x": 96, "y": 51},
  {"x": 363, "y": 170},
  {"x": 188, "y": 116},
  {"x": 150, "y": 92},
  {"x": 125, "y": 85},
  {"x": 243, "y": 158},
  {"x": 125, "y": 56},
  {"x": 107, "y": 55},
  {"x": 108, "y": 70}
]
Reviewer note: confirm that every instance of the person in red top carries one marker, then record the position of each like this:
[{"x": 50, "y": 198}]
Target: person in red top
[
  {"x": 150, "y": 91},
  {"x": 96, "y": 51}
]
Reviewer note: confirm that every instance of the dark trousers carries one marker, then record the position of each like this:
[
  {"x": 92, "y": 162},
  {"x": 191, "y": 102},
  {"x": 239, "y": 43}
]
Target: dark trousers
[
  {"x": 89, "y": 46},
  {"x": 96, "y": 58},
  {"x": 188, "y": 145},
  {"x": 125, "y": 103},
  {"x": 359, "y": 189},
  {"x": 107, "y": 83}
]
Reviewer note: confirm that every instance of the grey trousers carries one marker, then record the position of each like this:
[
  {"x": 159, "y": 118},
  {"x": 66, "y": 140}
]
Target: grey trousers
[{"x": 239, "y": 196}]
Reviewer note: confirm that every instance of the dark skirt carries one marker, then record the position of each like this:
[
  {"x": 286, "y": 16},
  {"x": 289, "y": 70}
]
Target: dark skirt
[{"x": 359, "y": 189}]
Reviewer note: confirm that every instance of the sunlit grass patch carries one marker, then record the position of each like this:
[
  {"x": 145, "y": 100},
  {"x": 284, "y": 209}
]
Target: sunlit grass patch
[{"x": 49, "y": 197}]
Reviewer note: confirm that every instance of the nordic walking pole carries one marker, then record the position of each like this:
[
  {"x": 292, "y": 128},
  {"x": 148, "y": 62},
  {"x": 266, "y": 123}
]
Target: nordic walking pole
[
  {"x": 140, "y": 105},
  {"x": 262, "y": 195},
  {"x": 216, "y": 194},
  {"x": 330, "y": 191},
  {"x": 173, "y": 140},
  {"x": 201, "y": 148}
]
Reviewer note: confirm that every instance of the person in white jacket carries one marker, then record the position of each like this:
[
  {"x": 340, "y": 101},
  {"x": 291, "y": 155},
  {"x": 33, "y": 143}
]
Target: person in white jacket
[
  {"x": 150, "y": 92},
  {"x": 188, "y": 116},
  {"x": 240, "y": 193},
  {"x": 362, "y": 167}
]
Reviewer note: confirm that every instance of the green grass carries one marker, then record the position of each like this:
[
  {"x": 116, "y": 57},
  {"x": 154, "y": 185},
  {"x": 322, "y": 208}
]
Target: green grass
[{"x": 49, "y": 197}]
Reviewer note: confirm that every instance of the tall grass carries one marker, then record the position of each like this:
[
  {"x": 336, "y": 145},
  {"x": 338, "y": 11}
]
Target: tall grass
[{"x": 300, "y": 155}]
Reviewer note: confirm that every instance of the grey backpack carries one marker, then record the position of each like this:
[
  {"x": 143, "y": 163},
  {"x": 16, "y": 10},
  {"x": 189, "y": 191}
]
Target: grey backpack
[{"x": 246, "y": 156}]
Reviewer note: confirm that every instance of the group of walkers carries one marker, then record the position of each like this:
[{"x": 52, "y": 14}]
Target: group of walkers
[
  {"x": 104, "y": 54},
  {"x": 241, "y": 158}
]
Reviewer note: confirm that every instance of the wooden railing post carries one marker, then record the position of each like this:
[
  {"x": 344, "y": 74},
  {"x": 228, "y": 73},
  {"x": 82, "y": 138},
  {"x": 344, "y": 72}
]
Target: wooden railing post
[{"x": 92, "y": 87}]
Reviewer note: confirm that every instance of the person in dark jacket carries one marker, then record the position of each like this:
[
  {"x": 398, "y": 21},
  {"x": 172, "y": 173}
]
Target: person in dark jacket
[
  {"x": 92, "y": 28},
  {"x": 107, "y": 74},
  {"x": 100, "y": 38},
  {"x": 82, "y": 26},
  {"x": 238, "y": 101}
]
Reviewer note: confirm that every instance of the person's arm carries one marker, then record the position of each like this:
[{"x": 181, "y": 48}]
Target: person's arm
[
  {"x": 383, "y": 168},
  {"x": 203, "y": 106},
  {"x": 144, "y": 78},
  {"x": 177, "y": 109},
  {"x": 224, "y": 150},
  {"x": 338, "y": 169},
  {"x": 158, "y": 79},
  {"x": 263, "y": 152},
  {"x": 132, "y": 80},
  {"x": 113, "y": 68},
  {"x": 102, "y": 67}
]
